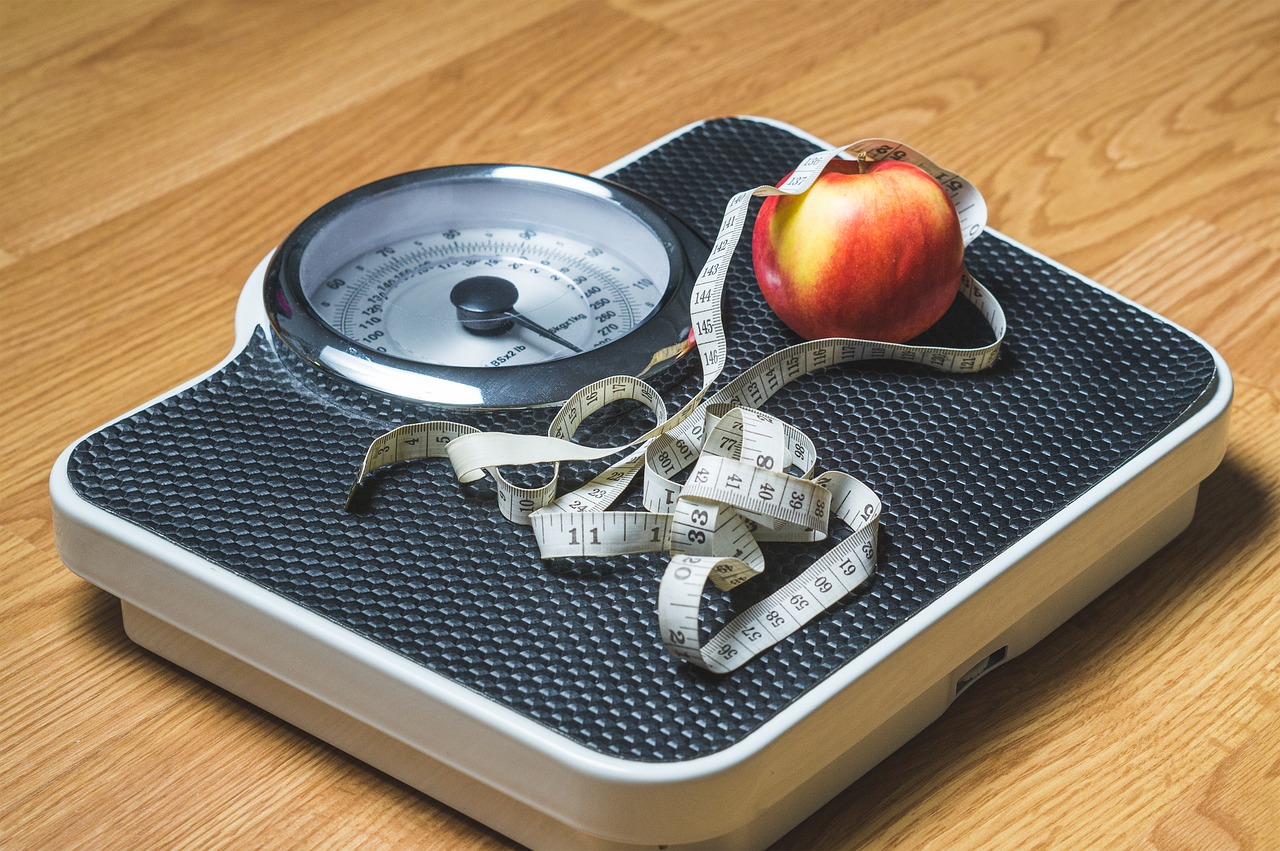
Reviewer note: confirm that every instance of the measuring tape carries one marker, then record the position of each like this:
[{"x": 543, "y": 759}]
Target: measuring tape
[{"x": 750, "y": 476}]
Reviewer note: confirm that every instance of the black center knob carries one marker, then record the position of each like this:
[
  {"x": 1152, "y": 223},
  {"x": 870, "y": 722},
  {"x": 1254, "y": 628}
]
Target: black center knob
[{"x": 484, "y": 304}]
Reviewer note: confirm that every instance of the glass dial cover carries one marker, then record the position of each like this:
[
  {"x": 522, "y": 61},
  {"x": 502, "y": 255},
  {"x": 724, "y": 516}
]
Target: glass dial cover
[{"x": 488, "y": 286}]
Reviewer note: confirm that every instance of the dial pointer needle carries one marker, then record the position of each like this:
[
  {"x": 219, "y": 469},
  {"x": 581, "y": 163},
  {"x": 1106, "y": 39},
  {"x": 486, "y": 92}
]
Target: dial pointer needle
[
  {"x": 486, "y": 306},
  {"x": 545, "y": 332}
]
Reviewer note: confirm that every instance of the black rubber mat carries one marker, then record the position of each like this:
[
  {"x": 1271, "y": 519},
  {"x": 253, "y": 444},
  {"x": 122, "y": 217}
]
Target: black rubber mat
[{"x": 250, "y": 468}]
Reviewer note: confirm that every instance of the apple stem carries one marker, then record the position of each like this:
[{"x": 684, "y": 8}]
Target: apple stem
[{"x": 862, "y": 159}]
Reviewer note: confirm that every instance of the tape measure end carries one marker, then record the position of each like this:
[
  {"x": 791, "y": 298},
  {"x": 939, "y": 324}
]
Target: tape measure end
[{"x": 353, "y": 495}]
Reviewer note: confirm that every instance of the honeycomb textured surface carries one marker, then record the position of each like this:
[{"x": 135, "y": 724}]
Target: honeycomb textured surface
[{"x": 249, "y": 469}]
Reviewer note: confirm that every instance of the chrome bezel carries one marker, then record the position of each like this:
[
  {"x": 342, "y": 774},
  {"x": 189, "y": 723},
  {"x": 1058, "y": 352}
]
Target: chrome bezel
[{"x": 373, "y": 214}]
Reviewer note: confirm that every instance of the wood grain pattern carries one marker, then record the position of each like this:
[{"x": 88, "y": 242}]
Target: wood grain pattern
[{"x": 151, "y": 151}]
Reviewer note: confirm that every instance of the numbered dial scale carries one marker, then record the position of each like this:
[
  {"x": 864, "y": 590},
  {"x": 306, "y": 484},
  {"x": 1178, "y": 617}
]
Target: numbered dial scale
[{"x": 491, "y": 286}]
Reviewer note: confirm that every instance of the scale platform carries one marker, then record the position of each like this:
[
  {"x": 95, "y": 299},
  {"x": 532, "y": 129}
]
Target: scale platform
[{"x": 422, "y": 634}]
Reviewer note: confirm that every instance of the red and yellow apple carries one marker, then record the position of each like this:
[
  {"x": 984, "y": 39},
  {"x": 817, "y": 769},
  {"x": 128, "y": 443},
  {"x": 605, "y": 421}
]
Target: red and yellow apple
[{"x": 871, "y": 250}]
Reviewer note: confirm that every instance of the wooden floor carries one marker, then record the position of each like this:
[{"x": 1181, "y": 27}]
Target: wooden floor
[{"x": 152, "y": 152}]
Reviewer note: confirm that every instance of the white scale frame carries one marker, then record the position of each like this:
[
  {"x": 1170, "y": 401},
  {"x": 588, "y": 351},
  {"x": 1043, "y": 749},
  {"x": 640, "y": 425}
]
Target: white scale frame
[{"x": 547, "y": 791}]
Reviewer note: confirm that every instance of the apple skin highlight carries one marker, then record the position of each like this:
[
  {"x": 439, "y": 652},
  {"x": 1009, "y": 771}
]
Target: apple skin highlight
[{"x": 872, "y": 251}]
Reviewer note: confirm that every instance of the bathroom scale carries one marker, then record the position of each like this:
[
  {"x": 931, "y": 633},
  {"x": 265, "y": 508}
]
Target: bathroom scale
[{"x": 410, "y": 623}]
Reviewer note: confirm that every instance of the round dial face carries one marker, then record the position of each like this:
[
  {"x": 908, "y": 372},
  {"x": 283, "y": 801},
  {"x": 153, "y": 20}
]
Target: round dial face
[
  {"x": 488, "y": 286},
  {"x": 571, "y": 296}
]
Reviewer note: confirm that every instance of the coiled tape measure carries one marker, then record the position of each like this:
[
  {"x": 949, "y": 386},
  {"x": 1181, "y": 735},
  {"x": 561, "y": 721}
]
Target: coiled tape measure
[{"x": 552, "y": 285}]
